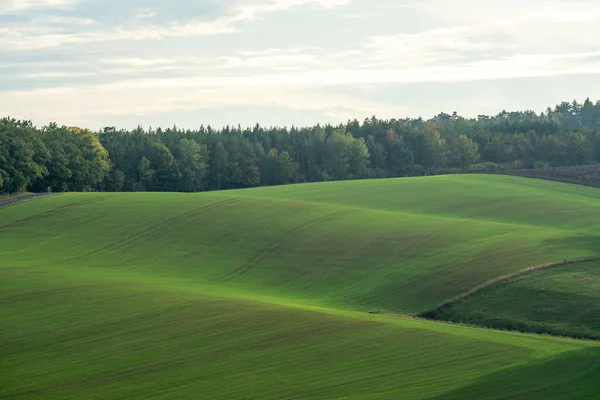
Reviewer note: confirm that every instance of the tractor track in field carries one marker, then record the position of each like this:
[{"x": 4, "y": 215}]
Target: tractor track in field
[
  {"x": 133, "y": 371},
  {"x": 407, "y": 371},
  {"x": 503, "y": 255},
  {"x": 430, "y": 314},
  {"x": 421, "y": 278},
  {"x": 54, "y": 211},
  {"x": 150, "y": 231},
  {"x": 273, "y": 246},
  {"x": 407, "y": 251}
]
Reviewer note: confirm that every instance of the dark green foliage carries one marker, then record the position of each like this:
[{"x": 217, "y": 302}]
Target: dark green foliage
[
  {"x": 191, "y": 158},
  {"x": 77, "y": 161},
  {"x": 23, "y": 155},
  {"x": 279, "y": 168},
  {"x": 70, "y": 159}
]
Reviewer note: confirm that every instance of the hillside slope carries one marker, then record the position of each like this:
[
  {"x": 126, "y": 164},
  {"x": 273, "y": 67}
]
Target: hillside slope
[
  {"x": 394, "y": 245},
  {"x": 262, "y": 293},
  {"x": 100, "y": 335}
]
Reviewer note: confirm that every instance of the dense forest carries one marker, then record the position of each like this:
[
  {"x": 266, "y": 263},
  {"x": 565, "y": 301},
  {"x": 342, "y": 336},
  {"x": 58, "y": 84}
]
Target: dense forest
[{"x": 59, "y": 158}]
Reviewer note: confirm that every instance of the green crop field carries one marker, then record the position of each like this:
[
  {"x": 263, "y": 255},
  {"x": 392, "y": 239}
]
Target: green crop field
[
  {"x": 265, "y": 293},
  {"x": 561, "y": 300}
]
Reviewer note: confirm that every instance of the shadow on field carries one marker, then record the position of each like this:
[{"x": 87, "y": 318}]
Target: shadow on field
[
  {"x": 586, "y": 243},
  {"x": 575, "y": 375}
]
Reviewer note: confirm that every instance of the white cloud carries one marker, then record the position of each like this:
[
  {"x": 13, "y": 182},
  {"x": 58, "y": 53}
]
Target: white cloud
[
  {"x": 284, "y": 61},
  {"x": 430, "y": 47},
  {"x": 250, "y": 9},
  {"x": 501, "y": 68},
  {"x": 79, "y": 105},
  {"x": 274, "y": 64},
  {"x": 302, "y": 91},
  {"x": 340, "y": 115},
  {"x": 474, "y": 12},
  {"x": 28, "y": 39},
  {"x": 275, "y": 51},
  {"x": 23, "y": 5},
  {"x": 43, "y": 33}
]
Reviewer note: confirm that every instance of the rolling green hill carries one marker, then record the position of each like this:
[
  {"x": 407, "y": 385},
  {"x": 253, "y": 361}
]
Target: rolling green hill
[{"x": 263, "y": 293}]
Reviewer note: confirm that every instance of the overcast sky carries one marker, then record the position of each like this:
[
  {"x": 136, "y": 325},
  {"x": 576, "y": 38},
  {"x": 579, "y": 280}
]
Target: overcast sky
[{"x": 97, "y": 63}]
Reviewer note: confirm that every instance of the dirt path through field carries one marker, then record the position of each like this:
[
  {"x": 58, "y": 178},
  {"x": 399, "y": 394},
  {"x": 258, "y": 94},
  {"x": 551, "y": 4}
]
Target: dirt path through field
[{"x": 16, "y": 200}]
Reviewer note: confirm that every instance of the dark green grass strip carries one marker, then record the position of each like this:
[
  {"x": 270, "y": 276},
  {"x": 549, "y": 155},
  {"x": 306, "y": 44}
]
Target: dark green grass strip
[
  {"x": 563, "y": 300},
  {"x": 499, "y": 280}
]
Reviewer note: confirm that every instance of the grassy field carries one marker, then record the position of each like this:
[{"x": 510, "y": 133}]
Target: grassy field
[
  {"x": 559, "y": 301},
  {"x": 263, "y": 293}
]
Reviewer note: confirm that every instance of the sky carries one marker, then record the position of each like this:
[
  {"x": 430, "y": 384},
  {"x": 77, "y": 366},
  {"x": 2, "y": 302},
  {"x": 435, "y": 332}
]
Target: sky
[{"x": 124, "y": 63}]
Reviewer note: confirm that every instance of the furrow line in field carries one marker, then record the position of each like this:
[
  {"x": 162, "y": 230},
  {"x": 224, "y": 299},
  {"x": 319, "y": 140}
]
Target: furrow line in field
[
  {"x": 406, "y": 252},
  {"x": 270, "y": 249},
  {"x": 153, "y": 229}
]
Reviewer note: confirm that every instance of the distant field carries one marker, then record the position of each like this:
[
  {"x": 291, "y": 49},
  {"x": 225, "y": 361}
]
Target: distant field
[
  {"x": 264, "y": 293},
  {"x": 588, "y": 175}
]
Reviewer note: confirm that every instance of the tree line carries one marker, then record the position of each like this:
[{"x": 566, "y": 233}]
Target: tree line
[{"x": 59, "y": 158}]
